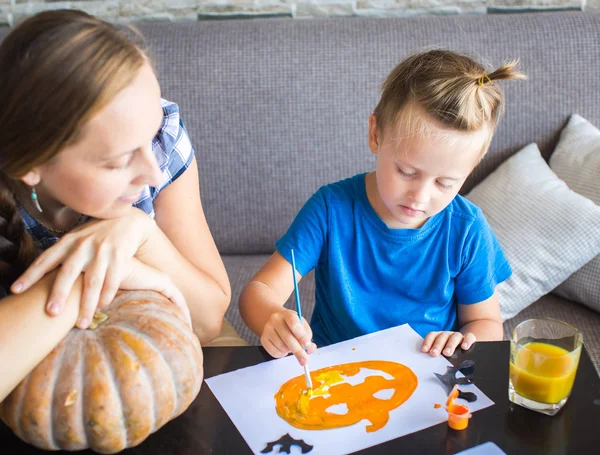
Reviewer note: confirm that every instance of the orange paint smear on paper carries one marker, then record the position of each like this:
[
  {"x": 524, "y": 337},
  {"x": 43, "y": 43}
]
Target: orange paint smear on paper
[{"x": 308, "y": 410}]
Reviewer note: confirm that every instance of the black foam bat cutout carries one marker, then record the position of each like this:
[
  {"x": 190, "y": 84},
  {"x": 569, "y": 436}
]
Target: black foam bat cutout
[
  {"x": 286, "y": 442},
  {"x": 449, "y": 379}
]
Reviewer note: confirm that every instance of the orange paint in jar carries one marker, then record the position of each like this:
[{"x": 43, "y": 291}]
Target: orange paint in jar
[{"x": 458, "y": 414}]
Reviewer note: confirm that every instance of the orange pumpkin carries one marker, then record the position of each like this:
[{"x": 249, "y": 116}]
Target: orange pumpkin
[{"x": 109, "y": 387}]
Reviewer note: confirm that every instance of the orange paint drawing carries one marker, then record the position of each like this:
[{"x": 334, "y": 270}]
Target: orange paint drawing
[{"x": 309, "y": 410}]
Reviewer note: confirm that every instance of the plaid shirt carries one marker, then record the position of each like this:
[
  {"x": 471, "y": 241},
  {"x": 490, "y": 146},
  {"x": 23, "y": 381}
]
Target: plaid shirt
[{"x": 174, "y": 153}]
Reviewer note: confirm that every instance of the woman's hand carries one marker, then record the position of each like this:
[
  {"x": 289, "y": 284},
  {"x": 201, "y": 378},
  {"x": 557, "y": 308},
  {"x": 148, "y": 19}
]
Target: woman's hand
[
  {"x": 284, "y": 333},
  {"x": 437, "y": 343},
  {"x": 101, "y": 250},
  {"x": 140, "y": 276}
]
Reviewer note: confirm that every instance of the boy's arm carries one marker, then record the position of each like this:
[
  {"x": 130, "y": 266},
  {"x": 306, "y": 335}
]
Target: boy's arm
[
  {"x": 262, "y": 300},
  {"x": 484, "y": 266},
  {"x": 261, "y": 308},
  {"x": 267, "y": 292},
  {"x": 482, "y": 319},
  {"x": 478, "y": 322}
]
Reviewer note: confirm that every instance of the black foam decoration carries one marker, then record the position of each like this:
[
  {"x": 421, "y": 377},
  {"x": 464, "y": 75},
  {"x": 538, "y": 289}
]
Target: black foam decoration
[
  {"x": 286, "y": 442},
  {"x": 449, "y": 379}
]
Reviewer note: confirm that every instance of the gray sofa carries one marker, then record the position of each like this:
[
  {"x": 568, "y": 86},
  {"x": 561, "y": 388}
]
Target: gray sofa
[{"x": 278, "y": 107}]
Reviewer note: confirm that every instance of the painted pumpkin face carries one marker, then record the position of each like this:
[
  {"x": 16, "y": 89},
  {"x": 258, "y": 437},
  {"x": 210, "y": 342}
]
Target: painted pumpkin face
[{"x": 310, "y": 410}]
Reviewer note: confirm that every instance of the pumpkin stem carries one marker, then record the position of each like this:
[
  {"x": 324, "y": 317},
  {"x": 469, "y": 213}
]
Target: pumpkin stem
[{"x": 98, "y": 319}]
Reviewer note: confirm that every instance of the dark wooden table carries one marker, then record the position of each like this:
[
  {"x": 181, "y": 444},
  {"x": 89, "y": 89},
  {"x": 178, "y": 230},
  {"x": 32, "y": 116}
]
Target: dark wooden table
[{"x": 205, "y": 428}]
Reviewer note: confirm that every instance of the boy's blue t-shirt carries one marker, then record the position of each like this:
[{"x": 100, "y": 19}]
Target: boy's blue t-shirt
[{"x": 370, "y": 277}]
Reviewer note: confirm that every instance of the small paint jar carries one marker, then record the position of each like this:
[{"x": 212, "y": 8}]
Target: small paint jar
[{"x": 458, "y": 416}]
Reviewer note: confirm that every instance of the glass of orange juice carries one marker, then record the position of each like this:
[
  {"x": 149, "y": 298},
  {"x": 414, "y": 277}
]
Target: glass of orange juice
[{"x": 544, "y": 355}]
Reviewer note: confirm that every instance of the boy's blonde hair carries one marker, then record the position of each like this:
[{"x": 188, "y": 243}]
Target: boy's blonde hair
[{"x": 452, "y": 88}]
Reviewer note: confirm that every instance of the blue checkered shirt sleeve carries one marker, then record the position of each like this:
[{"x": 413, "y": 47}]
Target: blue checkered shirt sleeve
[{"x": 174, "y": 153}]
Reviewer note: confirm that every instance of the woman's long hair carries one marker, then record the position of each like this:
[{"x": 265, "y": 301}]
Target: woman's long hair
[{"x": 57, "y": 69}]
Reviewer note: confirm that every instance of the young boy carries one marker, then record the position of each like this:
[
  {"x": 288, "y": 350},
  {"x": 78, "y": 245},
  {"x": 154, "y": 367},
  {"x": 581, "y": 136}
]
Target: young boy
[{"x": 398, "y": 245}]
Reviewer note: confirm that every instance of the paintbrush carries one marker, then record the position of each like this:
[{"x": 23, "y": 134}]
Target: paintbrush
[{"x": 299, "y": 311}]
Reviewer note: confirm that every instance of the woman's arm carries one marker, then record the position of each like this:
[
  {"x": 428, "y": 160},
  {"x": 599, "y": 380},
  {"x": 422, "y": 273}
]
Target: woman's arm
[
  {"x": 183, "y": 247},
  {"x": 177, "y": 243},
  {"x": 28, "y": 334}
]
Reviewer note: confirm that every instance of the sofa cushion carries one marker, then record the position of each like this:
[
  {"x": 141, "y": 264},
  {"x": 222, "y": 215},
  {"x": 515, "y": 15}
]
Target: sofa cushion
[
  {"x": 555, "y": 307},
  {"x": 547, "y": 230},
  {"x": 277, "y": 108},
  {"x": 576, "y": 160}
]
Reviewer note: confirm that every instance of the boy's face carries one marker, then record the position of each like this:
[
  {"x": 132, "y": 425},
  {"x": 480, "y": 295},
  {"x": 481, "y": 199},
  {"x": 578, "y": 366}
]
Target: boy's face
[{"x": 421, "y": 166}]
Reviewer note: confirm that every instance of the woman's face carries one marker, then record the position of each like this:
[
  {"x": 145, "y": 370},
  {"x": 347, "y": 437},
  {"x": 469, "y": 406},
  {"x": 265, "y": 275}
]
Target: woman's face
[{"x": 104, "y": 171}]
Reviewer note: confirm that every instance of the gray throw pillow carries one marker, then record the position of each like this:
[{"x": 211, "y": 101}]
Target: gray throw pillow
[
  {"x": 546, "y": 230},
  {"x": 576, "y": 160}
]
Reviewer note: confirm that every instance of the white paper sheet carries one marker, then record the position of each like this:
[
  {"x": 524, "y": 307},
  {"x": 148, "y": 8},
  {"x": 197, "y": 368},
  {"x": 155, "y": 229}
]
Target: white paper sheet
[
  {"x": 489, "y": 448},
  {"x": 247, "y": 395}
]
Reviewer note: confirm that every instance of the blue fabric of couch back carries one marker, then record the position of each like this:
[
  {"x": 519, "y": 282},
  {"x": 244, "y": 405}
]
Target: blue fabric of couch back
[{"x": 277, "y": 107}]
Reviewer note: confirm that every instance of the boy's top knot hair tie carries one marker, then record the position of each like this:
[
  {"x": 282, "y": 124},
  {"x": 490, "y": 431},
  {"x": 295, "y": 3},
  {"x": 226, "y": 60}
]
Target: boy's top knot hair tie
[{"x": 484, "y": 80}]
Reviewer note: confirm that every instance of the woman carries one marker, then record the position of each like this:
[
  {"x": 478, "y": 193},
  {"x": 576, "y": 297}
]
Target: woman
[{"x": 97, "y": 171}]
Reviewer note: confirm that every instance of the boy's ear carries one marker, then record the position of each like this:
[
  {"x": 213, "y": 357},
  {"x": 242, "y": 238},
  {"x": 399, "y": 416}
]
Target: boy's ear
[
  {"x": 32, "y": 178},
  {"x": 373, "y": 135}
]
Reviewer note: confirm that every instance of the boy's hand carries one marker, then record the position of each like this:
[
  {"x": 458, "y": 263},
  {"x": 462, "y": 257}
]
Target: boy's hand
[
  {"x": 437, "y": 343},
  {"x": 284, "y": 333}
]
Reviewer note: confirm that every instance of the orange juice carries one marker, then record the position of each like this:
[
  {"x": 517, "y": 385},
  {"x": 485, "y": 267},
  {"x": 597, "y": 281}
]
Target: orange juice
[{"x": 543, "y": 372}]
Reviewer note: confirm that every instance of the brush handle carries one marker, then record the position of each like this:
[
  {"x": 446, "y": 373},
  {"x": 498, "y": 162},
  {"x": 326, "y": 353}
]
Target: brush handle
[
  {"x": 299, "y": 311},
  {"x": 307, "y": 377},
  {"x": 296, "y": 293}
]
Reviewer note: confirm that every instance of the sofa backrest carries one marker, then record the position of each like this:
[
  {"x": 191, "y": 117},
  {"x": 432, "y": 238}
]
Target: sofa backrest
[{"x": 276, "y": 108}]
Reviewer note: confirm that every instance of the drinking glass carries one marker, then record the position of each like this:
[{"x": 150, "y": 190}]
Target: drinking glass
[{"x": 544, "y": 356}]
